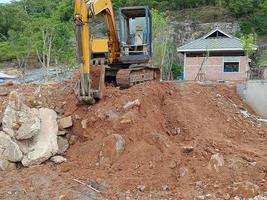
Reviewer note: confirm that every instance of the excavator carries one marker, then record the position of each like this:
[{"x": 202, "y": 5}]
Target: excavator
[{"x": 124, "y": 57}]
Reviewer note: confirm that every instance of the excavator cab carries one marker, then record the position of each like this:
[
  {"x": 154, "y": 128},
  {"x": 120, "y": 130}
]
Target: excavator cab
[{"x": 135, "y": 34}]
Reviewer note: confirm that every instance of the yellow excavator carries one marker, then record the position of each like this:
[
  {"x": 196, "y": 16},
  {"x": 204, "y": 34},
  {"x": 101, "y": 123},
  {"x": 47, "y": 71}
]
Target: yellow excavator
[{"x": 124, "y": 58}]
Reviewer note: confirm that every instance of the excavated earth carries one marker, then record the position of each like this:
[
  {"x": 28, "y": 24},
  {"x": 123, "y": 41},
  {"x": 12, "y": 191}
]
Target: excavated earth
[{"x": 180, "y": 141}]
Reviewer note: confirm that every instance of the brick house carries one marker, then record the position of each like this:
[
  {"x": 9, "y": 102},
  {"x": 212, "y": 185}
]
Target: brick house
[{"x": 215, "y": 56}]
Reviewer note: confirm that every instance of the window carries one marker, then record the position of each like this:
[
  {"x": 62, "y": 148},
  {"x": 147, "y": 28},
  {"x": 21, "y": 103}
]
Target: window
[{"x": 231, "y": 67}]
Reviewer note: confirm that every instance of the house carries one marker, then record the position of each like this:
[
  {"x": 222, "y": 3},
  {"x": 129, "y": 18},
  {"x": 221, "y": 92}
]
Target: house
[{"x": 215, "y": 56}]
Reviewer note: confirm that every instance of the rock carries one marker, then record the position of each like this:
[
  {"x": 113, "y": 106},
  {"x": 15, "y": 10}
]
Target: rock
[
  {"x": 77, "y": 117},
  {"x": 58, "y": 159},
  {"x": 9, "y": 150},
  {"x": 126, "y": 121},
  {"x": 188, "y": 149},
  {"x": 84, "y": 123},
  {"x": 30, "y": 125},
  {"x": 44, "y": 144},
  {"x": 5, "y": 165},
  {"x": 131, "y": 104},
  {"x": 216, "y": 162},
  {"x": 113, "y": 146},
  {"x": 65, "y": 122},
  {"x": 63, "y": 145},
  {"x": 183, "y": 171},
  {"x": 246, "y": 189},
  {"x": 141, "y": 188},
  {"x": 72, "y": 139},
  {"x": 61, "y": 133},
  {"x": 19, "y": 120},
  {"x": 226, "y": 196},
  {"x": 165, "y": 188}
]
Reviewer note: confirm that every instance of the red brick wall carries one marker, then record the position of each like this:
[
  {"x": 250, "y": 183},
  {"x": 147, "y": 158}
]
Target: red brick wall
[{"x": 213, "y": 69}]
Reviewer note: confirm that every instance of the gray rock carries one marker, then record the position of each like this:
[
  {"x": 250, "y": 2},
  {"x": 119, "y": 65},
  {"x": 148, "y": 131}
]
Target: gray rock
[
  {"x": 30, "y": 125},
  {"x": 9, "y": 150},
  {"x": 216, "y": 162},
  {"x": 5, "y": 165},
  {"x": 141, "y": 188},
  {"x": 58, "y": 159},
  {"x": 63, "y": 145},
  {"x": 19, "y": 120},
  {"x": 61, "y": 133},
  {"x": 44, "y": 144}
]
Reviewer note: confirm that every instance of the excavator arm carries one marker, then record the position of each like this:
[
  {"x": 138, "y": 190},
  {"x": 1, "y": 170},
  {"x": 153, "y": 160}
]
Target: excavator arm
[{"x": 83, "y": 11}]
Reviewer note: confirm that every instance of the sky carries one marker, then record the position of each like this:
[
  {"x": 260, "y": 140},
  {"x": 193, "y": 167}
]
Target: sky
[{"x": 4, "y": 1}]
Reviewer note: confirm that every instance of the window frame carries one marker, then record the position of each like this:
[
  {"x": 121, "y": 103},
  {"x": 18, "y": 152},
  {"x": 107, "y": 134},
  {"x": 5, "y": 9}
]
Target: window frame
[{"x": 237, "y": 62}]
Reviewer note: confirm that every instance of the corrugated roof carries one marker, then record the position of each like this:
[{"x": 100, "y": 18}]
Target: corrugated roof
[{"x": 208, "y": 43}]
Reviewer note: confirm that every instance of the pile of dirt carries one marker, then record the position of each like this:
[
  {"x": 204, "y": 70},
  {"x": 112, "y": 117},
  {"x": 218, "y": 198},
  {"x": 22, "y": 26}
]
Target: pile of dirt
[
  {"x": 152, "y": 141},
  {"x": 178, "y": 140}
]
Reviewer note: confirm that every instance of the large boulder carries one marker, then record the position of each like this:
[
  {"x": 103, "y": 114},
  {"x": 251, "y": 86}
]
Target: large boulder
[
  {"x": 19, "y": 120},
  {"x": 9, "y": 150},
  {"x": 44, "y": 144}
]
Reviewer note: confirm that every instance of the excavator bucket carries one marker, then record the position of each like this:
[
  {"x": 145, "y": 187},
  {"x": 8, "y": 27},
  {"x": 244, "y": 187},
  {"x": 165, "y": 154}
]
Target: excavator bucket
[{"x": 90, "y": 87}]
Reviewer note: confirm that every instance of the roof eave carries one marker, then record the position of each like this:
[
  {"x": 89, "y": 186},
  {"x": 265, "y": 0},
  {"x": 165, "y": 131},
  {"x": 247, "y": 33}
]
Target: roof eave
[{"x": 205, "y": 50}]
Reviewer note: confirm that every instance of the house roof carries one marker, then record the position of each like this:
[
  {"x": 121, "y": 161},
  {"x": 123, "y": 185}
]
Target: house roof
[{"x": 216, "y": 40}]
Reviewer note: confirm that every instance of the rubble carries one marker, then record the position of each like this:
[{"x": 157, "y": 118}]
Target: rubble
[
  {"x": 58, "y": 159},
  {"x": 131, "y": 104},
  {"x": 65, "y": 122},
  {"x": 63, "y": 145},
  {"x": 29, "y": 135}
]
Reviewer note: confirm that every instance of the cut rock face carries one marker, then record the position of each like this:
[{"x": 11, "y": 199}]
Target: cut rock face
[{"x": 45, "y": 142}]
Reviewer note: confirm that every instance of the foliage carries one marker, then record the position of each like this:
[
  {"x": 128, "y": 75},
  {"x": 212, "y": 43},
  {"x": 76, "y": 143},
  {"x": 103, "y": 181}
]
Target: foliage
[
  {"x": 177, "y": 70},
  {"x": 248, "y": 42}
]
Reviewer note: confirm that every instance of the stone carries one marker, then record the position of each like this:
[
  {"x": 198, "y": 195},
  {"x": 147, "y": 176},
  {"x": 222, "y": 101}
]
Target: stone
[
  {"x": 141, "y": 188},
  {"x": 226, "y": 196},
  {"x": 131, "y": 104},
  {"x": 183, "y": 171},
  {"x": 126, "y": 121},
  {"x": 113, "y": 146},
  {"x": 216, "y": 162},
  {"x": 246, "y": 189},
  {"x": 5, "y": 165},
  {"x": 19, "y": 120},
  {"x": 30, "y": 125},
  {"x": 44, "y": 144},
  {"x": 84, "y": 123},
  {"x": 61, "y": 133},
  {"x": 9, "y": 150},
  {"x": 165, "y": 188},
  {"x": 188, "y": 149},
  {"x": 65, "y": 122},
  {"x": 58, "y": 159},
  {"x": 72, "y": 139},
  {"x": 63, "y": 145}
]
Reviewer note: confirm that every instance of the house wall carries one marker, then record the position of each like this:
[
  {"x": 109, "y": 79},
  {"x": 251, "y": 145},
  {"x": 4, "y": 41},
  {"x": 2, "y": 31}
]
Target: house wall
[{"x": 213, "y": 68}]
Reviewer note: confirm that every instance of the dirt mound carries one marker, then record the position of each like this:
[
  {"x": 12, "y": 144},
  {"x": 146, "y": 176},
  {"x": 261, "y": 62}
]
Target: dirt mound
[{"x": 182, "y": 139}]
